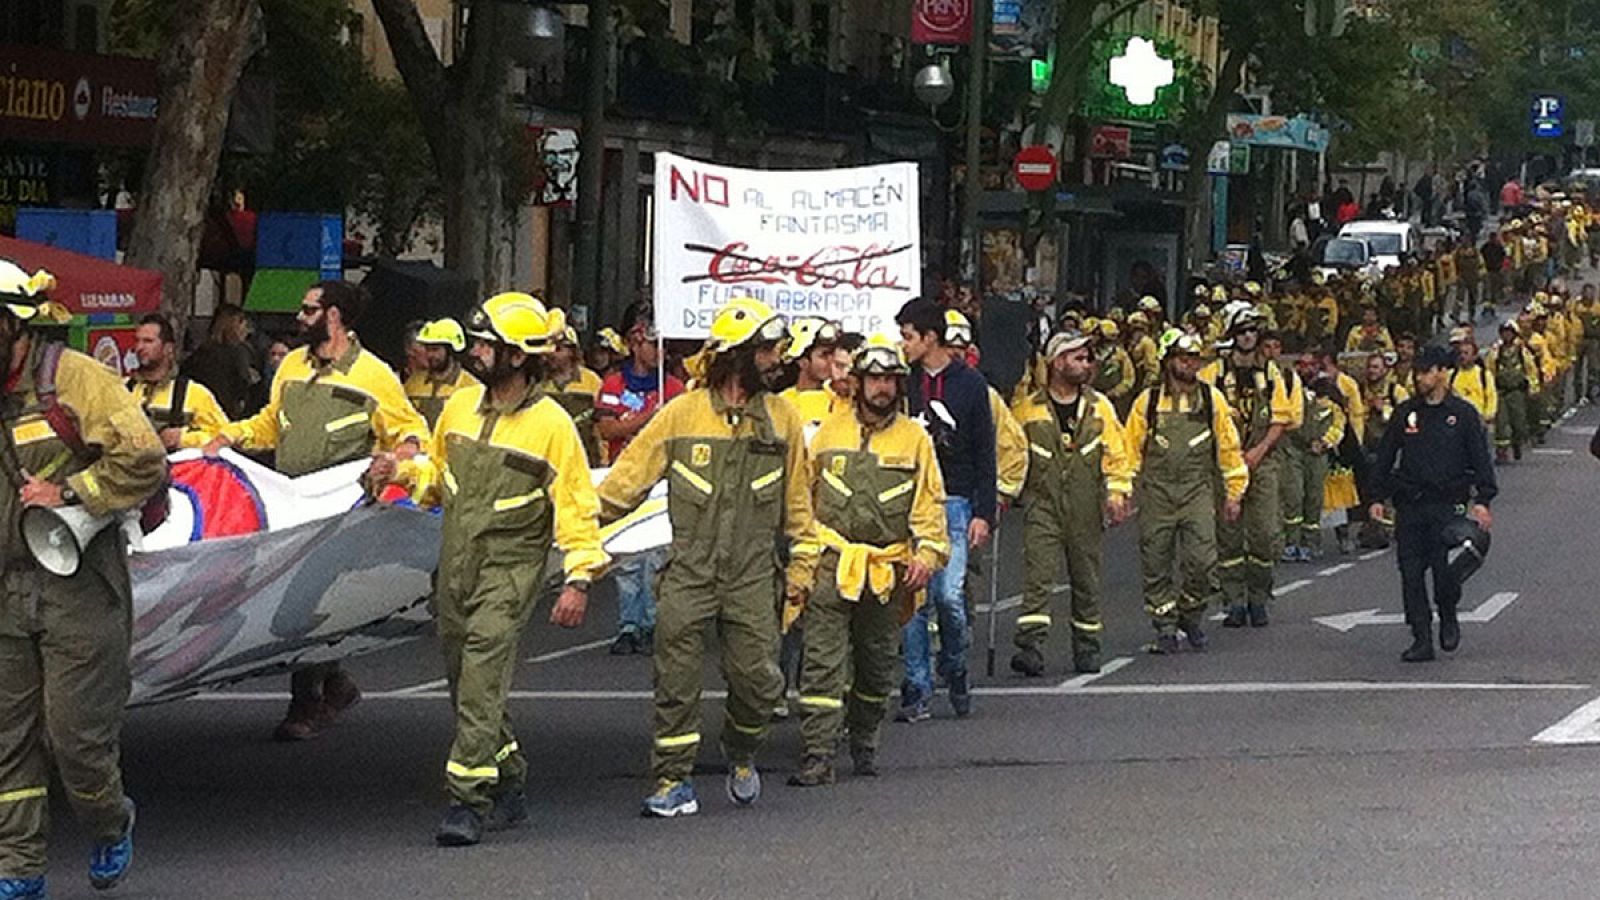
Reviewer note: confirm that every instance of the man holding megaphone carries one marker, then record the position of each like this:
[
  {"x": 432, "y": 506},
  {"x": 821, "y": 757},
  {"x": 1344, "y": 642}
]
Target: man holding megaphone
[{"x": 79, "y": 455}]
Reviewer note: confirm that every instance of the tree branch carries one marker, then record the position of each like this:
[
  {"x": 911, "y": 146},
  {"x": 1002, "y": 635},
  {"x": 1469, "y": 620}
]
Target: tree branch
[{"x": 425, "y": 76}]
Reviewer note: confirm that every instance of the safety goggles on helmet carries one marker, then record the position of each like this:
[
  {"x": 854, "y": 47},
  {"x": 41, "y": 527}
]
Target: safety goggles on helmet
[
  {"x": 957, "y": 329},
  {"x": 519, "y": 320},
  {"x": 879, "y": 356},
  {"x": 744, "y": 320},
  {"x": 807, "y": 333},
  {"x": 1181, "y": 343}
]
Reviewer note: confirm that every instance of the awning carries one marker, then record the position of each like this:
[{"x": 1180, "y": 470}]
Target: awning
[{"x": 87, "y": 285}]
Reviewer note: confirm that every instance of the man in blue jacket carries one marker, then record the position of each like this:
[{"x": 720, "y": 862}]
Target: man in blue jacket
[{"x": 952, "y": 402}]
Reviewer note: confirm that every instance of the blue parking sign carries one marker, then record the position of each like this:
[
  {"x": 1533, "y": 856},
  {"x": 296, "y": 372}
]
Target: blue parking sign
[{"x": 1548, "y": 114}]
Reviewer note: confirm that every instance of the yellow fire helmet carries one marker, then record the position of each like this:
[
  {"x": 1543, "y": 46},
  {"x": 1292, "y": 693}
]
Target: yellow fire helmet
[
  {"x": 1181, "y": 342},
  {"x": 24, "y": 294},
  {"x": 1108, "y": 330},
  {"x": 1138, "y": 320},
  {"x": 1219, "y": 294},
  {"x": 443, "y": 332},
  {"x": 807, "y": 332},
  {"x": 879, "y": 356},
  {"x": 1252, "y": 288},
  {"x": 745, "y": 319},
  {"x": 609, "y": 339},
  {"x": 957, "y": 329},
  {"x": 518, "y": 319}
]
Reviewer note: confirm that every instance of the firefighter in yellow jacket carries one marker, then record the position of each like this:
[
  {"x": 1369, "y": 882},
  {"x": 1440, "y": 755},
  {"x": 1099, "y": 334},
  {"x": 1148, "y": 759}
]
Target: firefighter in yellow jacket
[
  {"x": 735, "y": 461},
  {"x": 1471, "y": 378},
  {"x": 512, "y": 475},
  {"x": 1078, "y": 477},
  {"x": 76, "y": 439},
  {"x": 442, "y": 341},
  {"x": 879, "y": 502},
  {"x": 812, "y": 341},
  {"x": 185, "y": 413},
  {"x": 1182, "y": 443},
  {"x": 332, "y": 401},
  {"x": 1264, "y": 398},
  {"x": 575, "y": 387}
]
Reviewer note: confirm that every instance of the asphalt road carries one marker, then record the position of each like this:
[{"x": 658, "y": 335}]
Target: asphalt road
[{"x": 1302, "y": 760}]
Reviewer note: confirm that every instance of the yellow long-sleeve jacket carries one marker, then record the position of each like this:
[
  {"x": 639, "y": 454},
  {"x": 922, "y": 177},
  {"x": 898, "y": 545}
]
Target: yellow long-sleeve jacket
[
  {"x": 815, "y": 405},
  {"x": 321, "y": 414},
  {"x": 577, "y": 396},
  {"x": 1355, "y": 410},
  {"x": 1475, "y": 384},
  {"x": 736, "y": 479},
  {"x": 1146, "y": 361},
  {"x": 512, "y": 478},
  {"x": 879, "y": 500},
  {"x": 1010, "y": 448},
  {"x": 1544, "y": 356},
  {"x": 1358, "y": 340},
  {"x": 429, "y": 394},
  {"x": 1115, "y": 374},
  {"x": 1097, "y": 432},
  {"x": 1230, "y": 458},
  {"x": 1284, "y": 407},
  {"x": 201, "y": 416}
]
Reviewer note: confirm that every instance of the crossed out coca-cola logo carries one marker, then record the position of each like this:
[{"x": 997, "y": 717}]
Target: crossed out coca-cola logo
[
  {"x": 944, "y": 15},
  {"x": 869, "y": 267}
]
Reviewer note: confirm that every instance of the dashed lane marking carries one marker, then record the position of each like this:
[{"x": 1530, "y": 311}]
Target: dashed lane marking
[
  {"x": 1290, "y": 588},
  {"x": 563, "y": 653},
  {"x": 1552, "y": 451},
  {"x": 1581, "y": 726},
  {"x": 1371, "y": 554},
  {"x": 1111, "y": 667},
  {"x": 1334, "y": 570}
]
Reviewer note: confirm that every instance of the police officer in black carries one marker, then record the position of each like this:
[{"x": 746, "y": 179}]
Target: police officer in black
[{"x": 1434, "y": 462}]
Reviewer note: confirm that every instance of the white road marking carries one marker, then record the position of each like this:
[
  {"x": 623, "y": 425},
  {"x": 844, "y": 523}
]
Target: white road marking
[
  {"x": 1015, "y": 600},
  {"x": 563, "y": 653},
  {"x": 1129, "y": 690},
  {"x": 1371, "y": 554},
  {"x": 1552, "y": 451},
  {"x": 1290, "y": 588},
  {"x": 1581, "y": 726},
  {"x": 1111, "y": 667},
  {"x": 1485, "y": 612},
  {"x": 1334, "y": 570},
  {"x": 1569, "y": 429}
]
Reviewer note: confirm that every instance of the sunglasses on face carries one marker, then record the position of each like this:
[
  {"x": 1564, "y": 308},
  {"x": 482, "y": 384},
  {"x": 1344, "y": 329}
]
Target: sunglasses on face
[{"x": 309, "y": 309}]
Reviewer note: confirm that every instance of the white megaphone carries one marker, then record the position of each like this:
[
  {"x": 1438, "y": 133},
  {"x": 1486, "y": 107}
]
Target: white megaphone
[{"x": 58, "y": 537}]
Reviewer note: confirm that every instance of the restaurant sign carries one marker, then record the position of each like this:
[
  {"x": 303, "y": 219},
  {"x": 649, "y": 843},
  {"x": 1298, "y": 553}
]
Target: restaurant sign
[{"x": 51, "y": 96}]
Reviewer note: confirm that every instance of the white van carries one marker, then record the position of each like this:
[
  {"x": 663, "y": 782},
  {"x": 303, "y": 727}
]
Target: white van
[{"x": 1388, "y": 239}]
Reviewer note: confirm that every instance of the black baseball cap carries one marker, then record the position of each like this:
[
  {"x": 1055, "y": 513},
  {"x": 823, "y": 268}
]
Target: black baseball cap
[{"x": 1435, "y": 356}]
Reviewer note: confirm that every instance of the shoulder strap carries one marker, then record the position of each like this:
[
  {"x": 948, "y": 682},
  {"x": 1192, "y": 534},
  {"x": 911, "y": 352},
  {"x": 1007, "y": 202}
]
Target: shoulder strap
[
  {"x": 1152, "y": 417},
  {"x": 56, "y": 415},
  {"x": 180, "y": 397}
]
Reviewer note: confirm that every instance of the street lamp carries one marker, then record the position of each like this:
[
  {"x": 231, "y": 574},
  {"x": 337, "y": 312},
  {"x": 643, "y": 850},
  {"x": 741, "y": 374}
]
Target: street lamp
[{"x": 933, "y": 85}]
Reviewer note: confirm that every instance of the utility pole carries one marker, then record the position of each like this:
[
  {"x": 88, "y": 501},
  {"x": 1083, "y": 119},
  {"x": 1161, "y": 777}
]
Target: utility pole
[
  {"x": 973, "y": 188},
  {"x": 591, "y": 163}
]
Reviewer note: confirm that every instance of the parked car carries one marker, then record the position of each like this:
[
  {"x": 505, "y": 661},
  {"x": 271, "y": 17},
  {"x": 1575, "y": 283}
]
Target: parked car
[{"x": 1388, "y": 240}]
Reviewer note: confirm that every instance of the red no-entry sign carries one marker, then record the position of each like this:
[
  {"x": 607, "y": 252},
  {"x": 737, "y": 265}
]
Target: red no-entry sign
[{"x": 1036, "y": 168}]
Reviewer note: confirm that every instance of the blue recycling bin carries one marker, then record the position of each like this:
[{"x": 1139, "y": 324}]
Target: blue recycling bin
[
  {"x": 301, "y": 241},
  {"x": 92, "y": 232}
]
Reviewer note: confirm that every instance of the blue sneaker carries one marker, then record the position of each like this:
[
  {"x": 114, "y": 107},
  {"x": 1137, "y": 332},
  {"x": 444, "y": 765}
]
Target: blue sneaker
[
  {"x": 108, "y": 863},
  {"x": 744, "y": 784},
  {"x": 671, "y": 799},
  {"x": 22, "y": 888}
]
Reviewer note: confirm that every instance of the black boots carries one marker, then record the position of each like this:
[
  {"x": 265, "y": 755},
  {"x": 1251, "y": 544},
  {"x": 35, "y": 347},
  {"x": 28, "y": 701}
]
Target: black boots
[
  {"x": 1449, "y": 631},
  {"x": 1421, "y": 649}
]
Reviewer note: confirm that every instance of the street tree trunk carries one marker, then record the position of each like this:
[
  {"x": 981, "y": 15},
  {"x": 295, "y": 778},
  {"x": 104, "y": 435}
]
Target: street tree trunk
[
  {"x": 1211, "y": 128},
  {"x": 463, "y": 110},
  {"x": 198, "y": 70}
]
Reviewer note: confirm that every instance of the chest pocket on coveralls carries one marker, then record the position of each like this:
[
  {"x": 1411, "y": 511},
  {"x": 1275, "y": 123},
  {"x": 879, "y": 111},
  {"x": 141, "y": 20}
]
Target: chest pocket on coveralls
[
  {"x": 521, "y": 502},
  {"x": 764, "y": 465},
  {"x": 323, "y": 424},
  {"x": 690, "y": 486},
  {"x": 898, "y": 480}
]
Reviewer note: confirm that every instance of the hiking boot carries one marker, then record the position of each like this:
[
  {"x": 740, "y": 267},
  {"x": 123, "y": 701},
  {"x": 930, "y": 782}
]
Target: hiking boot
[
  {"x": 304, "y": 721},
  {"x": 815, "y": 771},
  {"x": 1196, "y": 637},
  {"x": 462, "y": 827},
  {"x": 1258, "y": 615},
  {"x": 865, "y": 761},
  {"x": 108, "y": 863},
  {"x": 671, "y": 799},
  {"x": 510, "y": 810},
  {"x": 1028, "y": 662},
  {"x": 1420, "y": 651},
  {"x": 1449, "y": 632},
  {"x": 1237, "y": 617},
  {"x": 626, "y": 644},
  {"x": 961, "y": 695},
  {"x": 744, "y": 784},
  {"x": 1163, "y": 645},
  {"x": 339, "y": 693},
  {"x": 1086, "y": 662}
]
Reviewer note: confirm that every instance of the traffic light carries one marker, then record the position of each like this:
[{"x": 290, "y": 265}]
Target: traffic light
[{"x": 1326, "y": 18}]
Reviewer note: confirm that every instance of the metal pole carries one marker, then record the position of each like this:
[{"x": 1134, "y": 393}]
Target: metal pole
[
  {"x": 994, "y": 590},
  {"x": 591, "y": 161},
  {"x": 973, "y": 189}
]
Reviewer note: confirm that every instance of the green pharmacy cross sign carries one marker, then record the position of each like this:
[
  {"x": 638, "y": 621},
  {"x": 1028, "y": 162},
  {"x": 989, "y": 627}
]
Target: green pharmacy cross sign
[{"x": 1137, "y": 78}]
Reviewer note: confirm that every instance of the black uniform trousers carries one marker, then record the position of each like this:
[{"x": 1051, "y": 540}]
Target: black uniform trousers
[{"x": 1418, "y": 531}]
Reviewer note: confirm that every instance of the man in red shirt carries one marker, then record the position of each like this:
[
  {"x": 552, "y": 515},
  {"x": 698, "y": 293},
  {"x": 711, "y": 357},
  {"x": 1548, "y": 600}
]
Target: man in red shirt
[{"x": 628, "y": 398}]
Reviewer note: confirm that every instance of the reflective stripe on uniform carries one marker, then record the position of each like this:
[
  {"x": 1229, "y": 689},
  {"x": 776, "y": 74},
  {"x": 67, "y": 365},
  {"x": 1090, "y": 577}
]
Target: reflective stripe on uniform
[
  {"x": 91, "y": 484},
  {"x": 1259, "y": 562},
  {"x": 1199, "y": 438},
  {"x": 1162, "y": 609},
  {"x": 904, "y": 487},
  {"x": 1088, "y": 627},
  {"x": 1088, "y": 448},
  {"x": 505, "y": 504},
  {"x": 837, "y": 483},
  {"x": 21, "y": 794},
  {"x": 754, "y": 730},
  {"x": 459, "y": 771},
  {"x": 1033, "y": 620},
  {"x": 1236, "y": 472},
  {"x": 359, "y": 418},
  {"x": 769, "y": 478},
  {"x": 688, "y": 475},
  {"x": 870, "y": 698},
  {"x": 1037, "y": 450},
  {"x": 1230, "y": 563},
  {"x": 501, "y": 754},
  {"x": 822, "y": 702},
  {"x": 680, "y": 740},
  {"x": 450, "y": 481}
]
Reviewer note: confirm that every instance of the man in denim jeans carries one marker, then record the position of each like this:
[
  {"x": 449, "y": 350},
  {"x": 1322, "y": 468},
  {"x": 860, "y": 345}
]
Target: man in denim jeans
[{"x": 952, "y": 402}]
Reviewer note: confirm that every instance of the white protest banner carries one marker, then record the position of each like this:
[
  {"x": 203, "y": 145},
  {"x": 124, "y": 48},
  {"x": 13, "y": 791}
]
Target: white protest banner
[{"x": 838, "y": 243}]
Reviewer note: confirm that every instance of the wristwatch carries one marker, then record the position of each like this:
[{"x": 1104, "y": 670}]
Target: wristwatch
[{"x": 68, "y": 495}]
